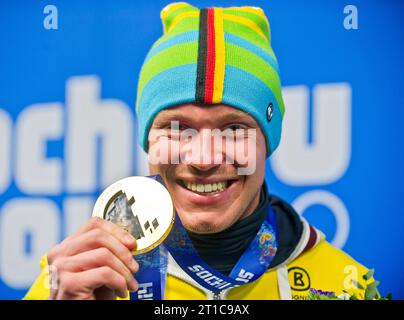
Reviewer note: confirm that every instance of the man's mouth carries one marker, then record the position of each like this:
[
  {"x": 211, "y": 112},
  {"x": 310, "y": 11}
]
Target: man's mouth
[{"x": 206, "y": 188}]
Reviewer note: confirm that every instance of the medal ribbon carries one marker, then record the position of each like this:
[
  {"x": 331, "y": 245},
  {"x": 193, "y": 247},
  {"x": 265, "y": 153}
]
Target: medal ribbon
[{"x": 251, "y": 265}]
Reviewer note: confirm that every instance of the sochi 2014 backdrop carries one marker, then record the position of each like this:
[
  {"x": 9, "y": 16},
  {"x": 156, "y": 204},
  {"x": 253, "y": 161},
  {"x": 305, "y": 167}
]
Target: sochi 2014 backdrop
[{"x": 68, "y": 77}]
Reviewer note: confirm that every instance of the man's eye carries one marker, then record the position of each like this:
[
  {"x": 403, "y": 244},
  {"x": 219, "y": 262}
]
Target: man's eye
[
  {"x": 235, "y": 127},
  {"x": 175, "y": 128}
]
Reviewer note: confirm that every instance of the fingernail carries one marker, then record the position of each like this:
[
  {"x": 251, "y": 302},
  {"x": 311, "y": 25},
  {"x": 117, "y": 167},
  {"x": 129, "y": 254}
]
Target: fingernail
[
  {"x": 131, "y": 283},
  {"x": 134, "y": 286},
  {"x": 125, "y": 294},
  {"x": 134, "y": 266},
  {"x": 128, "y": 238}
]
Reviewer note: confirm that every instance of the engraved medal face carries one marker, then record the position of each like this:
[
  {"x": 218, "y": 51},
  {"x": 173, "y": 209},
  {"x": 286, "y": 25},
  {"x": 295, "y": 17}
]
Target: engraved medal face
[{"x": 141, "y": 206}]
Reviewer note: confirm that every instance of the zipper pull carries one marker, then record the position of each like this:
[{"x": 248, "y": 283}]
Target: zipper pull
[{"x": 217, "y": 295}]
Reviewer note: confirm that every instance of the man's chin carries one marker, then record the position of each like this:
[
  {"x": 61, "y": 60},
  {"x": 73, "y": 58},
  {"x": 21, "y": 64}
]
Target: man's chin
[
  {"x": 204, "y": 222},
  {"x": 203, "y": 228}
]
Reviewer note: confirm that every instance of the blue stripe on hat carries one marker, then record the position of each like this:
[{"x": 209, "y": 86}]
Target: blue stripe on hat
[
  {"x": 168, "y": 88},
  {"x": 184, "y": 37},
  {"x": 246, "y": 92},
  {"x": 238, "y": 41}
]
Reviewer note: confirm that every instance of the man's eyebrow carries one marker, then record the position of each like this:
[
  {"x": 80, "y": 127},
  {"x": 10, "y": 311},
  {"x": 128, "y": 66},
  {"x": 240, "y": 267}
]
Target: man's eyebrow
[
  {"x": 172, "y": 115},
  {"x": 242, "y": 115},
  {"x": 167, "y": 116}
]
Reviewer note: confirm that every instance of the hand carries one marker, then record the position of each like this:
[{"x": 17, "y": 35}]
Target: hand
[{"x": 94, "y": 263}]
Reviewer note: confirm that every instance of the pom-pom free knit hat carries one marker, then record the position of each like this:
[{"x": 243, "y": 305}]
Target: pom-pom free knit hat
[{"x": 212, "y": 56}]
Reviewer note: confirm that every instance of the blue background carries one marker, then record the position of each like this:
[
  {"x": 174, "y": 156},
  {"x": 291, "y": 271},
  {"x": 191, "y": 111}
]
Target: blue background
[{"x": 111, "y": 38}]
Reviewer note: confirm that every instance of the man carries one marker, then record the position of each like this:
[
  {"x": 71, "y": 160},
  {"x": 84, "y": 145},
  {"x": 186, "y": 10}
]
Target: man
[{"x": 213, "y": 69}]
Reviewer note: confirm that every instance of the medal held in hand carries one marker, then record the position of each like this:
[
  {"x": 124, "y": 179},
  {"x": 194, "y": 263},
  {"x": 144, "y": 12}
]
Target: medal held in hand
[{"x": 140, "y": 205}]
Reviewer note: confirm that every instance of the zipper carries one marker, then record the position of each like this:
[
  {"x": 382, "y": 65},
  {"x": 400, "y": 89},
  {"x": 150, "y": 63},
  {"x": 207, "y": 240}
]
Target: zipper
[
  {"x": 179, "y": 275},
  {"x": 175, "y": 270},
  {"x": 217, "y": 295}
]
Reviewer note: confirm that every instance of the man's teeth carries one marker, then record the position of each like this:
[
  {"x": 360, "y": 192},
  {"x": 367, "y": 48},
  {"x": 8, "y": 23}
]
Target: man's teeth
[{"x": 206, "y": 188}]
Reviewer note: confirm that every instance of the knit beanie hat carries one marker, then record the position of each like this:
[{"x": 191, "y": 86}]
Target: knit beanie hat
[{"x": 212, "y": 56}]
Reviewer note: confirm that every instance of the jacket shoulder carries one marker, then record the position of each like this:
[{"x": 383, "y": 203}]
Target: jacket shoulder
[
  {"x": 327, "y": 268},
  {"x": 329, "y": 256}
]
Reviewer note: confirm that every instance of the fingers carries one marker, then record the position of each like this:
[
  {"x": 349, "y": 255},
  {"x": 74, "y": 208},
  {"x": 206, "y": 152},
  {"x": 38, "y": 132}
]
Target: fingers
[
  {"x": 116, "y": 231},
  {"x": 94, "y": 263},
  {"x": 97, "y": 258},
  {"x": 83, "y": 284},
  {"x": 94, "y": 239}
]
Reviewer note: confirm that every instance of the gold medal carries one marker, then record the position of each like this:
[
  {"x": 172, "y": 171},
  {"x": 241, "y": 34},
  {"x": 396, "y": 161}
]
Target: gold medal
[{"x": 140, "y": 205}]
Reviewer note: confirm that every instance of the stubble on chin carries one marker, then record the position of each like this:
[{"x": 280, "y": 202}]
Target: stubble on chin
[{"x": 206, "y": 227}]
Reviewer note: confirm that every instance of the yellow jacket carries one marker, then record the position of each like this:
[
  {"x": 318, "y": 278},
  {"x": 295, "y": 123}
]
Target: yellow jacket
[
  {"x": 304, "y": 260},
  {"x": 322, "y": 266}
]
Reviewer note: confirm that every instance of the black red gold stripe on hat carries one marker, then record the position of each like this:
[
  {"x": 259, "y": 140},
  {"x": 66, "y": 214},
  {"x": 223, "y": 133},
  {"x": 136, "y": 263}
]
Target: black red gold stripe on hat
[{"x": 211, "y": 57}]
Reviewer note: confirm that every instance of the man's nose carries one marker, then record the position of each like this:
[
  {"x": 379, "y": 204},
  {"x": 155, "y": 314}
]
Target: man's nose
[{"x": 205, "y": 152}]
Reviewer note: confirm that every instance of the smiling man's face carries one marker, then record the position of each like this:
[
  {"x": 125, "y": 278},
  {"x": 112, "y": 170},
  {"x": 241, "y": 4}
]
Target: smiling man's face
[{"x": 210, "y": 196}]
